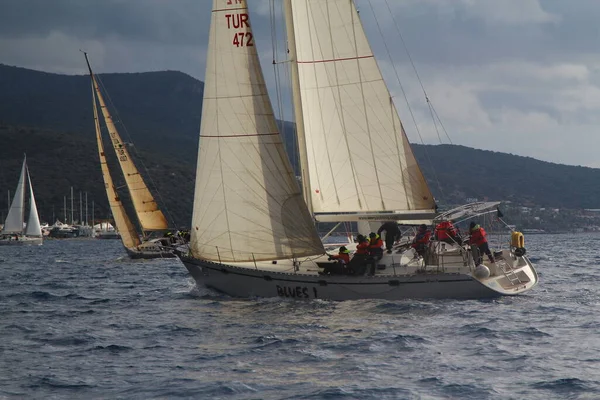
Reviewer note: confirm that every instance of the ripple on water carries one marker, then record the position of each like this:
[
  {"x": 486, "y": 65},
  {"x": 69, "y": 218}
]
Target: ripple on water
[{"x": 82, "y": 321}]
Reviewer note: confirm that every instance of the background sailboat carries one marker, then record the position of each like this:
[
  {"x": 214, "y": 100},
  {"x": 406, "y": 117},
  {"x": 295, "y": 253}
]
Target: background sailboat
[
  {"x": 14, "y": 232},
  {"x": 252, "y": 234},
  {"x": 150, "y": 217}
]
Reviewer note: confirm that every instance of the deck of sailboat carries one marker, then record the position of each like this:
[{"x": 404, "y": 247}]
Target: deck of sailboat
[
  {"x": 310, "y": 267},
  {"x": 356, "y": 165},
  {"x": 447, "y": 260}
]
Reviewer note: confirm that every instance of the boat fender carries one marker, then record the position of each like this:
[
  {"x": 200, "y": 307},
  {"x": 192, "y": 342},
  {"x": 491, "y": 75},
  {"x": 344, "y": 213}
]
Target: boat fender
[
  {"x": 517, "y": 239},
  {"x": 482, "y": 272},
  {"x": 520, "y": 251}
]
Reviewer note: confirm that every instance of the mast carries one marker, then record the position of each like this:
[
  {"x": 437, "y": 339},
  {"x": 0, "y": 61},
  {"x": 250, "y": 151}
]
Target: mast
[
  {"x": 72, "y": 220},
  {"x": 86, "y": 210},
  {"x": 148, "y": 214},
  {"x": 297, "y": 101}
]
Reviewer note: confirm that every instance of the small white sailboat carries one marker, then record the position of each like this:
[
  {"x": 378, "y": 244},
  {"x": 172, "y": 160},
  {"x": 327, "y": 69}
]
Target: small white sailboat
[
  {"x": 150, "y": 217},
  {"x": 14, "y": 232},
  {"x": 253, "y": 232},
  {"x": 105, "y": 230}
]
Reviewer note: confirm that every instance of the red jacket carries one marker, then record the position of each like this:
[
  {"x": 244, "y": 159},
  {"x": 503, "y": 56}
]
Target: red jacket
[
  {"x": 478, "y": 236},
  {"x": 421, "y": 238},
  {"x": 362, "y": 248},
  {"x": 342, "y": 256},
  {"x": 445, "y": 230},
  {"x": 375, "y": 243}
]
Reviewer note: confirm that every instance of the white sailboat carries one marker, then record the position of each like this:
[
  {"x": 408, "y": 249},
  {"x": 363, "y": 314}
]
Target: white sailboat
[
  {"x": 14, "y": 232},
  {"x": 150, "y": 217},
  {"x": 253, "y": 232}
]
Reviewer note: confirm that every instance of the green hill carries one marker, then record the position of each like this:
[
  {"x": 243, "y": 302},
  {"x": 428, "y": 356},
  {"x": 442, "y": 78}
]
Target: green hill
[{"x": 49, "y": 116}]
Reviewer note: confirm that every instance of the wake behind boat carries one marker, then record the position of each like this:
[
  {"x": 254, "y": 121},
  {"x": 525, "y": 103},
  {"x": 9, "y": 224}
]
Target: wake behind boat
[
  {"x": 253, "y": 232},
  {"x": 13, "y": 232}
]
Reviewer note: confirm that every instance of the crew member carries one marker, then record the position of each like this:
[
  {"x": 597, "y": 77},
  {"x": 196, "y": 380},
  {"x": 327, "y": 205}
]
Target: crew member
[
  {"x": 479, "y": 238},
  {"x": 392, "y": 234},
  {"x": 421, "y": 239}
]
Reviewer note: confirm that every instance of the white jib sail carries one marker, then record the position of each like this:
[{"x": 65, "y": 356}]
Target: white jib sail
[
  {"x": 247, "y": 203},
  {"x": 16, "y": 213},
  {"x": 33, "y": 221},
  {"x": 359, "y": 158}
]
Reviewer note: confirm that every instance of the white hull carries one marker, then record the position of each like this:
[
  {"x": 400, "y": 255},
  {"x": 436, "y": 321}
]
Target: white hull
[
  {"x": 394, "y": 283},
  {"x": 21, "y": 241}
]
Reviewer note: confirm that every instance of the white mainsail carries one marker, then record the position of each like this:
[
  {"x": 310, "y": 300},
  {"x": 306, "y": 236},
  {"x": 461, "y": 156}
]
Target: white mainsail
[
  {"x": 16, "y": 213},
  {"x": 34, "y": 227},
  {"x": 358, "y": 156},
  {"x": 129, "y": 236},
  {"x": 146, "y": 208},
  {"x": 247, "y": 203}
]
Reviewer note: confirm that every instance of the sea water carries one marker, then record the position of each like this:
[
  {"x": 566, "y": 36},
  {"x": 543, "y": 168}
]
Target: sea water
[{"x": 81, "y": 321}]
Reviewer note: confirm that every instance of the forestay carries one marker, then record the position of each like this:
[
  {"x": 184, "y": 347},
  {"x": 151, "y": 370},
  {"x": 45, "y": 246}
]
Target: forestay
[
  {"x": 359, "y": 158},
  {"x": 247, "y": 203}
]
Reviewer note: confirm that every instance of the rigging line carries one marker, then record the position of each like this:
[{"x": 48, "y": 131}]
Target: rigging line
[
  {"x": 429, "y": 102},
  {"x": 402, "y": 87},
  {"x": 288, "y": 78},
  {"x": 441, "y": 124},
  {"x": 437, "y": 131},
  {"x": 137, "y": 155},
  {"x": 406, "y": 49},
  {"x": 276, "y": 73},
  {"x": 404, "y": 95}
]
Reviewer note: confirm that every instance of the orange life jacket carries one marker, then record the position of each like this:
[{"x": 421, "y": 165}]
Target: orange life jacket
[
  {"x": 362, "y": 248},
  {"x": 345, "y": 257},
  {"x": 478, "y": 236},
  {"x": 421, "y": 238},
  {"x": 445, "y": 230},
  {"x": 375, "y": 243}
]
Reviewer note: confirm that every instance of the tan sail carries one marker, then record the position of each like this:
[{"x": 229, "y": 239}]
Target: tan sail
[
  {"x": 148, "y": 213},
  {"x": 358, "y": 158},
  {"x": 129, "y": 236},
  {"x": 247, "y": 203}
]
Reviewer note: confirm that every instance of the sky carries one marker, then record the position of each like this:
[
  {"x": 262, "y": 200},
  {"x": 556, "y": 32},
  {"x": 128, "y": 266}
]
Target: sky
[{"x": 514, "y": 76}]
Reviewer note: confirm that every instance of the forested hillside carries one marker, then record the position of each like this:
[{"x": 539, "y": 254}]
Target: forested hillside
[{"x": 49, "y": 117}]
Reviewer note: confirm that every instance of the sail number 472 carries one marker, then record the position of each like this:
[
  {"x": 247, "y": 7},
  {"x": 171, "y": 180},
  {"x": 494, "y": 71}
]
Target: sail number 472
[{"x": 243, "y": 39}]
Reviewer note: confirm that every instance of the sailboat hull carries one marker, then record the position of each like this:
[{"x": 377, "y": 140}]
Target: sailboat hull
[
  {"x": 21, "y": 241},
  {"x": 149, "y": 253},
  {"x": 246, "y": 282}
]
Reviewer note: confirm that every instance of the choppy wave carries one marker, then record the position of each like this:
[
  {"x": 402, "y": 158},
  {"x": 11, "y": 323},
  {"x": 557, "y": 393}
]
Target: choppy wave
[{"x": 80, "y": 320}]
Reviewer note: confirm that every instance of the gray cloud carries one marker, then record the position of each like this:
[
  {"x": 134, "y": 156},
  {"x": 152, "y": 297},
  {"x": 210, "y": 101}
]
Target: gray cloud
[
  {"x": 521, "y": 76},
  {"x": 178, "y": 22}
]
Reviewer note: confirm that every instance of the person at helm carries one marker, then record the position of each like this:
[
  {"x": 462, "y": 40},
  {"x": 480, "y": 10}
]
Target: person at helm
[{"x": 343, "y": 256}]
